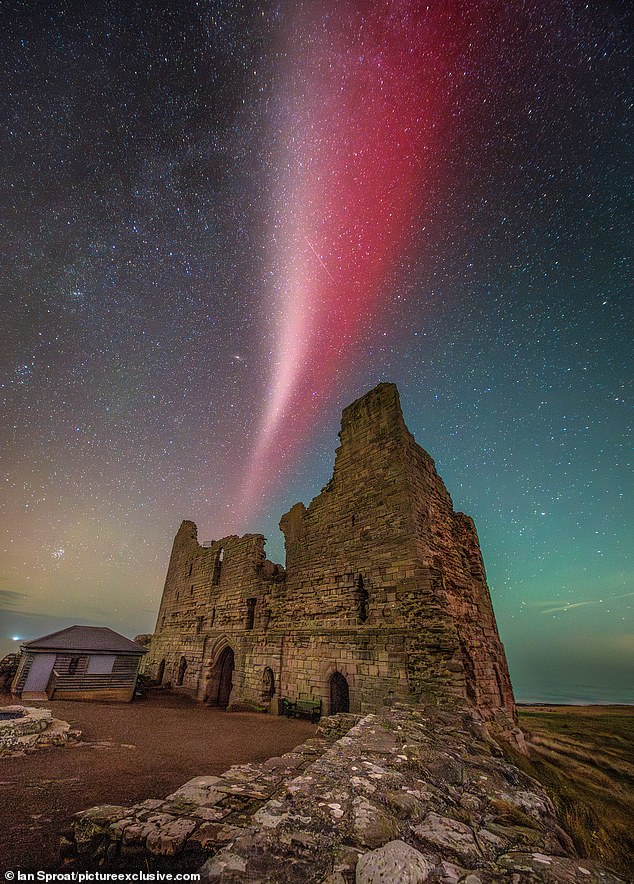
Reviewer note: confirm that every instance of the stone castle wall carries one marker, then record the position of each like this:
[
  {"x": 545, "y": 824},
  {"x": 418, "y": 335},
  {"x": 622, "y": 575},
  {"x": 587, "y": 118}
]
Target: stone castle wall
[
  {"x": 205, "y": 600},
  {"x": 384, "y": 587}
]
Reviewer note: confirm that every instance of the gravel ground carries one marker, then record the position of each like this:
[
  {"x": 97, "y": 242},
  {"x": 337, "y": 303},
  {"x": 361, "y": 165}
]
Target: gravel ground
[{"x": 129, "y": 752}]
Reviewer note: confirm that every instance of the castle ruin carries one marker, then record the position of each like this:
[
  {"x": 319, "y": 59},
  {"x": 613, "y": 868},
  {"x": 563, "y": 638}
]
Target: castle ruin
[{"x": 384, "y": 595}]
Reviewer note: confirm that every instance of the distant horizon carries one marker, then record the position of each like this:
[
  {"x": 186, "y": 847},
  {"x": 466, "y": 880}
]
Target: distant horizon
[
  {"x": 545, "y": 703},
  {"x": 549, "y": 697}
]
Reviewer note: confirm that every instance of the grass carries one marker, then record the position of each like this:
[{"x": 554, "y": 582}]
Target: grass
[{"x": 584, "y": 757}]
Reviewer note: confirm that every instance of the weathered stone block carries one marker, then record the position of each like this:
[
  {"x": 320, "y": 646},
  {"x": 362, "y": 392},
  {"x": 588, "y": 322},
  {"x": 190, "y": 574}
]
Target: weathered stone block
[
  {"x": 169, "y": 836},
  {"x": 395, "y": 861},
  {"x": 448, "y": 836}
]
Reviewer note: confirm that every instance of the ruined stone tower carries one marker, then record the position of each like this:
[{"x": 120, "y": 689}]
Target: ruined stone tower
[{"x": 384, "y": 594}]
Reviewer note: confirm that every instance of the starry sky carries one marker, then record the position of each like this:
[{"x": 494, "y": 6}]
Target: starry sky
[{"x": 224, "y": 221}]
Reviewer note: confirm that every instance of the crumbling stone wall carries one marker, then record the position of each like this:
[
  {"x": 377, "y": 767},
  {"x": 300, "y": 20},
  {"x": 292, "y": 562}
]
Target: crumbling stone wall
[
  {"x": 205, "y": 607},
  {"x": 407, "y": 794},
  {"x": 384, "y": 586}
]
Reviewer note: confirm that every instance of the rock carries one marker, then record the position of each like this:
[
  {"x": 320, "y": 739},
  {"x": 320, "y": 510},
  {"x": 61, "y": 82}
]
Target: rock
[
  {"x": 404, "y": 804},
  {"x": 554, "y": 869},
  {"x": 470, "y": 802},
  {"x": 449, "y": 873},
  {"x": 345, "y": 861},
  {"x": 395, "y": 861},
  {"x": 491, "y": 845},
  {"x": 169, "y": 837},
  {"x": 34, "y": 729},
  {"x": 372, "y": 826},
  {"x": 225, "y": 866},
  {"x": 210, "y": 836},
  {"x": 448, "y": 835},
  {"x": 271, "y": 815},
  {"x": 93, "y": 827}
]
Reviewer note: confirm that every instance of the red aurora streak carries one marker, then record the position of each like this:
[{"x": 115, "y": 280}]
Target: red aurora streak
[{"x": 365, "y": 112}]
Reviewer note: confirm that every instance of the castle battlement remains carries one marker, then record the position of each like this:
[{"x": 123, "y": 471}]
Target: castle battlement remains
[{"x": 384, "y": 595}]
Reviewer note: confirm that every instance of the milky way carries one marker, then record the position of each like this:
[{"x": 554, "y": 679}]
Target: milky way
[{"x": 223, "y": 222}]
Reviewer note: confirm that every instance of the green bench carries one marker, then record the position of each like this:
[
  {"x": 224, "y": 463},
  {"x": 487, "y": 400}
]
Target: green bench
[{"x": 301, "y": 708}]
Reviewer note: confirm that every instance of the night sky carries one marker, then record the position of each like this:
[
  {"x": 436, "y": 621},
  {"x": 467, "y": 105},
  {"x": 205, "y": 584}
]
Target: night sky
[{"x": 222, "y": 222}]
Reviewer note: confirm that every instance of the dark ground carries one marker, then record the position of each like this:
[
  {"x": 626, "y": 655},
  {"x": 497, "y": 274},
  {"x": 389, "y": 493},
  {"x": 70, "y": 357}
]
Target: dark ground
[{"x": 144, "y": 749}]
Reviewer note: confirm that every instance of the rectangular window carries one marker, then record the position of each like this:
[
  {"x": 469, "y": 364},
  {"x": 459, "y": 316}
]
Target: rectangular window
[
  {"x": 215, "y": 577},
  {"x": 100, "y": 664},
  {"x": 250, "y": 613}
]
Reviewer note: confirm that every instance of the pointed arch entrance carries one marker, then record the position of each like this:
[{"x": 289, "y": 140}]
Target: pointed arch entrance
[
  {"x": 220, "y": 681},
  {"x": 339, "y": 694}
]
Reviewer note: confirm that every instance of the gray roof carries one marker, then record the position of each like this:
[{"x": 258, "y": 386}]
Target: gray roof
[{"x": 85, "y": 638}]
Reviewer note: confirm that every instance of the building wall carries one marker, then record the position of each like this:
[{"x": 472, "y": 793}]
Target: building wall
[
  {"x": 384, "y": 583},
  {"x": 72, "y": 680},
  {"x": 205, "y": 606}
]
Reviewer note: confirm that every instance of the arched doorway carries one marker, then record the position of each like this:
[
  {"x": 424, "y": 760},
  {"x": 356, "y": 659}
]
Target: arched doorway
[
  {"x": 339, "y": 696},
  {"x": 182, "y": 669},
  {"x": 221, "y": 680},
  {"x": 225, "y": 664},
  {"x": 161, "y": 671}
]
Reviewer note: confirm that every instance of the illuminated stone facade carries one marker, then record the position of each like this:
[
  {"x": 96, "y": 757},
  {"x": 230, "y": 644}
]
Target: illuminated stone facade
[{"x": 384, "y": 595}]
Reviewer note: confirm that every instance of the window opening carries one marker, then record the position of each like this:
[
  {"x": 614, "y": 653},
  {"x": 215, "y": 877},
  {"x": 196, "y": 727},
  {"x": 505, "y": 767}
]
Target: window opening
[
  {"x": 182, "y": 669},
  {"x": 215, "y": 580},
  {"x": 268, "y": 683},
  {"x": 100, "y": 664},
  {"x": 250, "y": 613},
  {"x": 362, "y": 600}
]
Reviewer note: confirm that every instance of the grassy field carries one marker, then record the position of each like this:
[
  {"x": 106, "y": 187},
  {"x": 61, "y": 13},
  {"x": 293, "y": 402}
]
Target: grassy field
[{"x": 584, "y": 757}]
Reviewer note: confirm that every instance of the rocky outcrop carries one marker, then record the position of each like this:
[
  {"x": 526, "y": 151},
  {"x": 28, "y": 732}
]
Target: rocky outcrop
[
  {"x": 27, "y": 728},
  {"x": 408, "y": 795},
  {"x": 8, "y": 668}
]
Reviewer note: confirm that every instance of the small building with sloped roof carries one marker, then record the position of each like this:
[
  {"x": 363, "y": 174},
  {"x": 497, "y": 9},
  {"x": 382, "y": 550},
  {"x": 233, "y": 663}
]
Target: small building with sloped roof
[{"x": 79, "y": 663}]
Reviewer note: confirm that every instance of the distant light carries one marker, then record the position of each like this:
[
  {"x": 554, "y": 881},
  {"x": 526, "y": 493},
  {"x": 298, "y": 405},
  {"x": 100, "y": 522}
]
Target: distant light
[{"x": 16, "y": 638}]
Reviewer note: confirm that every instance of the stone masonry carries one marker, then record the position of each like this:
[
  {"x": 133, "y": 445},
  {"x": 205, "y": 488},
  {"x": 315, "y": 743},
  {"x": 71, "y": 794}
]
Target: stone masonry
[
  {"x": 384, "y": 594},
  {"x": 29, "y": 729}
]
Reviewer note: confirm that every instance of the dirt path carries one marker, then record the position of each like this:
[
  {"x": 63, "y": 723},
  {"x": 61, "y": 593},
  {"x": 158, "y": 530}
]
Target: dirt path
[{"x": 132, "y": 751}]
